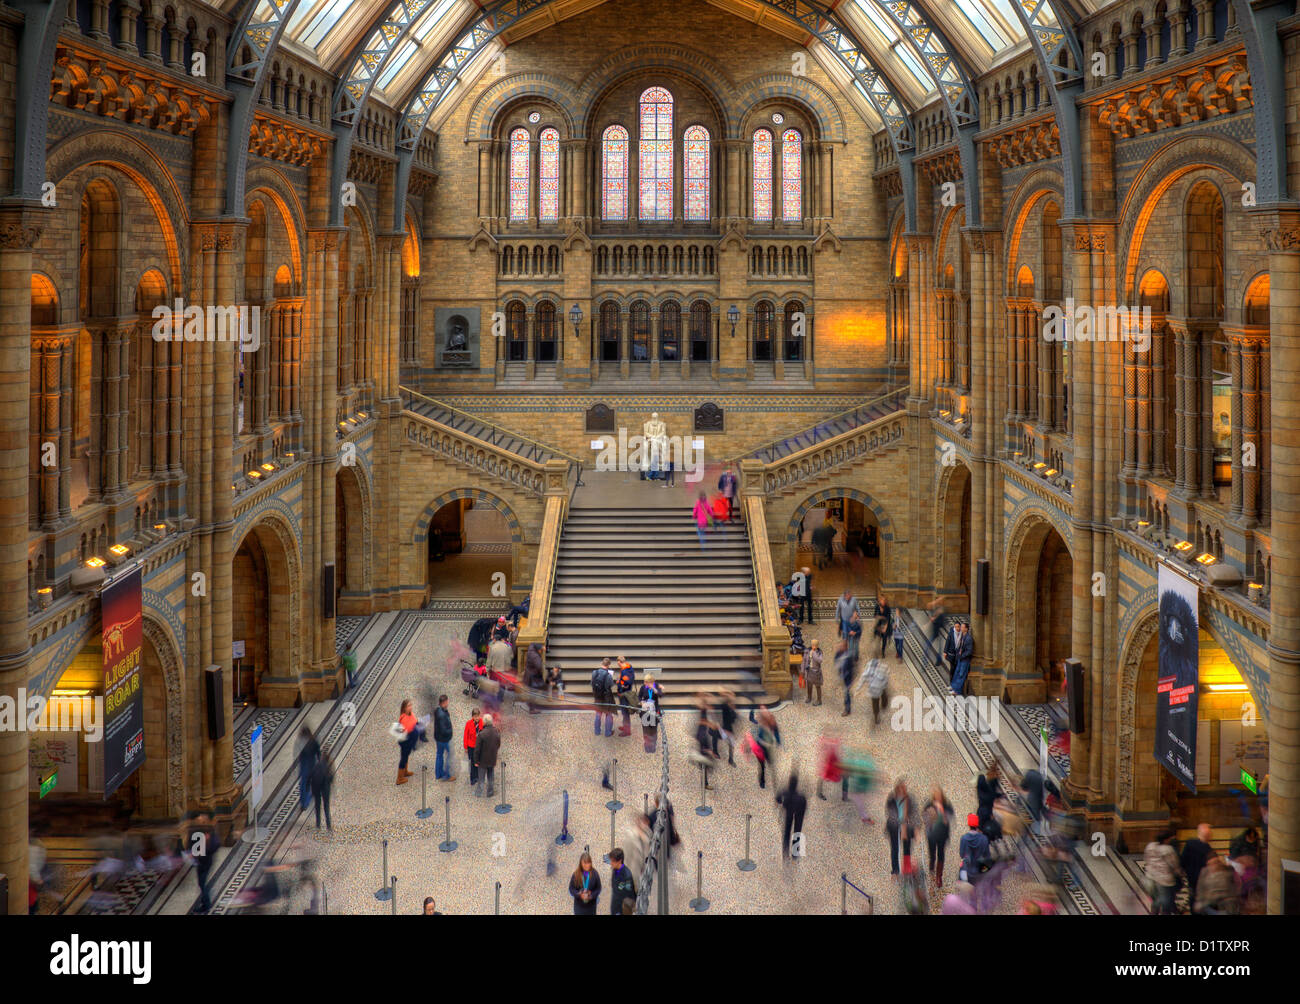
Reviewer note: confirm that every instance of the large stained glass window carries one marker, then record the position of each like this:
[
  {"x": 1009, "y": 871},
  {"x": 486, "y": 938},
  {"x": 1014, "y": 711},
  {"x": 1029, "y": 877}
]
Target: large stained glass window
[
  {"x": 695, "y": 175},
  {"x": 655, "y": 167},
  {"x": 791, "y": 176},
  {"x": 613, "y": 195},
  {"x": 548, "y": 191},
  {"x": 762, "y": 174},
  {"x": 519, "y": 186}
]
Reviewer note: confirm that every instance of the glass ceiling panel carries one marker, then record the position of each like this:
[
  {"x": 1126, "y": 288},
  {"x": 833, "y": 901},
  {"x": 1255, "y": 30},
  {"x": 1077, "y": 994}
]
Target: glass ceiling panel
[{"x": 326, "y": 18}]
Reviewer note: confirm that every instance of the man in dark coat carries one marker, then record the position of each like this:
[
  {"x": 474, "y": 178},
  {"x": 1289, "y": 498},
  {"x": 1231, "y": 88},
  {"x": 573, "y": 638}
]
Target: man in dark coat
[
  {"x": 486, "y": 750},
  {"x": 442, "y": 733},
  {"x": 1196, "y": 854}
]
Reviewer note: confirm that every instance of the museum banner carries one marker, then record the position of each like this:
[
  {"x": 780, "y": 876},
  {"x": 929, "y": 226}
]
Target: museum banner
[
  {"x": 121, "y": 601},
  {"x": 1178, "y": 675}
]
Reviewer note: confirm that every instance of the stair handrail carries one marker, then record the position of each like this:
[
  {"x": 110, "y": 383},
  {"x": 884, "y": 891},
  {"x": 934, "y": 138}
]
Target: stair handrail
[
  {"x": 776, "y": 639},
  {"x": 548, "y": 557},
  {"x": 755, "y": 452},
  {"x": 412, "y": 394}
]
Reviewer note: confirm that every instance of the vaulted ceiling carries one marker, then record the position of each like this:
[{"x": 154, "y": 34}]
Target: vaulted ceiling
[{"x": 890, "y": 56}]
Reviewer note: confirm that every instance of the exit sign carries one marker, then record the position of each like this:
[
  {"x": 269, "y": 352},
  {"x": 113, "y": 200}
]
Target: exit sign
[
  {"x": 48, "y": 784},
  {"x": 1248, "y": 779}
]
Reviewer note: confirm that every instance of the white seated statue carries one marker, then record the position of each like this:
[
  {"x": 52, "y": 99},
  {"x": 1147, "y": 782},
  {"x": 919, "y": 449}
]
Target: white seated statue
[{"x": 655, "y": 454}]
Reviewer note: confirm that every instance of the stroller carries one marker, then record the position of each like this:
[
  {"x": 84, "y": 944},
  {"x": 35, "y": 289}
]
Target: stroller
[{"x": 470, "y": 674}]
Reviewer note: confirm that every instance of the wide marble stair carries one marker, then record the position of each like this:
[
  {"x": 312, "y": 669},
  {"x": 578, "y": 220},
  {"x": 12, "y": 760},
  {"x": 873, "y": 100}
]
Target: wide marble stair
[{"x": 634, "y": 582}]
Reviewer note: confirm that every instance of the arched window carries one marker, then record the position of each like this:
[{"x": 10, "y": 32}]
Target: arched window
[
  {"x": 640, "y": 318},
  {"x": 792, "y": 176},
  {"x": 670, "y": 331},
  {"x": 701, "y": 322},
  {"x": 548, "y": 189},
  {"x": 519, "y": 179},
  {"x": 764, "y": 322},
  {"x": 546, "y": 333},
  {"x": 796, "y": 330},
  {"x": 613, "y": 195},
  {"x": 610, "y": 323},
  {"x": 655, "y": 166},
  {"x": 762, "y": 174},
  {"x": 695, "y": 173},
  {"x": 516, "y": 332}
]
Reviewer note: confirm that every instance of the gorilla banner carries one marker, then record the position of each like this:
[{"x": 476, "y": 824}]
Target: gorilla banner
[{"x": 1178, "y": 675}]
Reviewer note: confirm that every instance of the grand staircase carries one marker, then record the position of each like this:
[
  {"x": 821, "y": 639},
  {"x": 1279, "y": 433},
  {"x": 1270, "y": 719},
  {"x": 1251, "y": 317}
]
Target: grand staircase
[
  {"x": 634, "y": 582},
  {"x": 467, "y": 425}
]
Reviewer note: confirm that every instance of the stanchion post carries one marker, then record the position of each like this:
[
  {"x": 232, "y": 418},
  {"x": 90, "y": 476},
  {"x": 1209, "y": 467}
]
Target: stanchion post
[
  {"x": 703, "y": 809},
  {"x": 564, "y": 838},
  {"x": 844, "y": 894},
  {"x": 503, "y": 806},
  {"x": 393, "y": 899},
  {"x": 699, "y": 904},
  {"x": 614, "y": 804},
  {"x": 448, "y": 845},
  {"x": 746, "y": 864},
  {"x": 424, "y": 812},
  {"x": 383, "y": 892},
  {"x": 497, "y": 908}
]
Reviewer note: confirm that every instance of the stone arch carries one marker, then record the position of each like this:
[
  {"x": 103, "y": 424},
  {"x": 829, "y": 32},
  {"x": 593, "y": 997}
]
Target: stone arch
[
  {"x": 665, "y": 59},
  {"x": 545, "y": 88},
  {"x": 171, "y": 774},
  {"x": 270, "y": 183},
  {"x": 1171, "y": 163},
  {"x": 420, "y": 532},
  {"x": 277, "y": 540},
  {"x": 948, "y": 250},
  {"x": 125, "y": 152},
  {"x": 354, "y": 496},
  {"x": 953, "y": 483},
  {"x": 1025, "y": 540},
  {"x": 817, "y": 102},
  {"x": 1039, "y": 185}
]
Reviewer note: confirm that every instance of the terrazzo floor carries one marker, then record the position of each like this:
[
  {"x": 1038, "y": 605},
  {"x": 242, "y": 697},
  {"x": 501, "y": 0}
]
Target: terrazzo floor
[{"x": 546, "y": 754}]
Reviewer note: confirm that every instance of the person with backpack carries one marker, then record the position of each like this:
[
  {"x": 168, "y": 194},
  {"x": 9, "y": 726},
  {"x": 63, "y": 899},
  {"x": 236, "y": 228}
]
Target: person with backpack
[
  {"x": 623, "y": 687},
  {"x": 726, "y": 715},
  {"x": 876, "y": 679},
  {"x": 974, "y": 851},
  {"x": 602, "y": 690},
  {"x": 648, "y": 699},
  {"x": 897, "y": 628}
]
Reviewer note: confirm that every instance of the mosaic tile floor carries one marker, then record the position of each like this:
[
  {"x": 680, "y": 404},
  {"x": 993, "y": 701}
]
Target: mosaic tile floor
[{"x": 548, "y": 754}]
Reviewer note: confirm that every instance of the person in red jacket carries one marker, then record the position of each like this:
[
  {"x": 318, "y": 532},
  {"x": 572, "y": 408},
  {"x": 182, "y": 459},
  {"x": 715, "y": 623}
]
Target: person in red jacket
[{"x": 472, "y": 728}]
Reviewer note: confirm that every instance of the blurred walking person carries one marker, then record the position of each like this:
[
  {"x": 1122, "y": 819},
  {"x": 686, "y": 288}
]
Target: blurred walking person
[
  {"x": 793, "y": 805},
  {"x": 844, "y": 667},
  {"x": 322, "y": 780},
  {"x": 703, "y": 516},
  {"x": 308, "y": 751},
  {"x": 938, "y": 817},
  {"x": 902, "y": 820},
  {"x": 648, "y": 697},
  {"x": 1163, "y": 873}
]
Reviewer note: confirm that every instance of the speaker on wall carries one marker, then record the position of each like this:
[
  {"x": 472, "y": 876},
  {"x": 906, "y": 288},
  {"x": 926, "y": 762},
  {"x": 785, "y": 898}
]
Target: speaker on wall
[
  {"x": 1074, "y": 693},
  {"x": 982, "y": 586},
  {"x": 327, "y": 589},
  {"x": 214, "y": 702}
]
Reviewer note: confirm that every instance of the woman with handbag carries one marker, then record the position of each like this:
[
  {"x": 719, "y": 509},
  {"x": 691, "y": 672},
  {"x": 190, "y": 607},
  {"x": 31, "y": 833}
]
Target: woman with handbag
[
  {"x": 812, "y": 672},
  {"x": 409, "y": 732}
]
